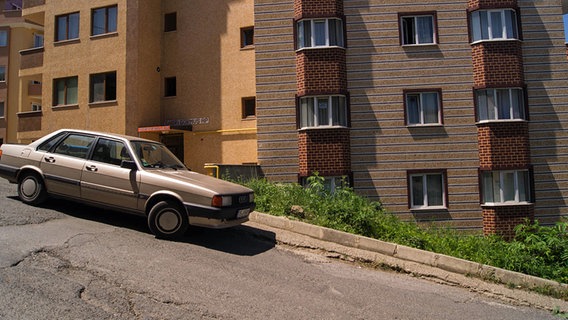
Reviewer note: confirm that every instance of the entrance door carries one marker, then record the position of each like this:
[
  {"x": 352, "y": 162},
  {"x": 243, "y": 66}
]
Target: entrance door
[{"x": 174, "y": 142}]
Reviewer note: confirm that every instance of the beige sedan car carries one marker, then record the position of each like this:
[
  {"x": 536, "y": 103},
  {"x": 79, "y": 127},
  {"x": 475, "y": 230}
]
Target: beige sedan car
[{"x": 127, "y": 174}]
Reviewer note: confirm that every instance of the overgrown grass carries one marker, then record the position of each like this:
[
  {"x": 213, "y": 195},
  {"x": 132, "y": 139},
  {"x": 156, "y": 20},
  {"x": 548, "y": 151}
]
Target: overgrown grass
[{"x": 536, "y": 250}]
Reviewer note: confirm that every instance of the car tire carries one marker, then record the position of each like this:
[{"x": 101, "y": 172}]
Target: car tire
[
  {"x": 31, "y": 189},
  {"x": 167, "y": 220}
]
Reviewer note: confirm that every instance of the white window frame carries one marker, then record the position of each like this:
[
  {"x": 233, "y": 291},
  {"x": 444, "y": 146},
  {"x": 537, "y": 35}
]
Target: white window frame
[
  {"x": 301, "y": 40},
  {"x": 36, "y": 106},
  {"x": 421, "y": 108},
  {"x": 306, "y": 114},
  {"x": 425, "y": 192},
  {"x": 516, "y": 110},
  {"x": 416, "y": 34},
  {"x": 491, "y": 180},
  {"x": 478, "y": 29}
]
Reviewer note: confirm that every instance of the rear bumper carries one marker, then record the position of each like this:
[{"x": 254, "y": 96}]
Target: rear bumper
[{"x": 8, "y": 172}]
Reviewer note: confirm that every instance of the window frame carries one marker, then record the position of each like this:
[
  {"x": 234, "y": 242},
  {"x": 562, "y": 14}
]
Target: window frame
[
  {"x": 475, "y": 29},
  {"x": 67, "y": 29},
  {"x": 342, "y": 115},
  {"x": 66, "y": 92},
  {"x": 522, "y": 110},
  {"x": 2, "y": 109},
  {"x": 3, "y": 73},
  {"x": 503, "y": 188},
  {"x": 425, "y": 195},
  {"x": 107, "y": 20},
  {"x": 421, "y": 92},
  {"x": 107, "y": 87},
  {"x": 246, "y": 115},
  {"x": 300, "y": 33},
  {"x": 414, "y": 16}
]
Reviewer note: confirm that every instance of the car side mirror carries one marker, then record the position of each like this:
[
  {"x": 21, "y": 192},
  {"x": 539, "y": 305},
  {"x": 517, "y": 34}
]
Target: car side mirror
[{"x": 128, "y": 165}]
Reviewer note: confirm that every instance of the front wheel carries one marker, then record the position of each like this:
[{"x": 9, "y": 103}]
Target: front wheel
[
  {"x": 31, "y": 189},
  {"x": 167, "y": 220}
]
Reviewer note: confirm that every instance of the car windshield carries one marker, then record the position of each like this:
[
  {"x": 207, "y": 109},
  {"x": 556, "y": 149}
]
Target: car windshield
[{"x": 155, "y": 155}]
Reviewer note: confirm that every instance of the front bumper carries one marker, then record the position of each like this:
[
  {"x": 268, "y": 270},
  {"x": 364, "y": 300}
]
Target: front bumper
[{"x": 218, "y": 218}]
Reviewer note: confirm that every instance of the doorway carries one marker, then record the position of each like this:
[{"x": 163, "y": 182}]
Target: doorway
[{"x": 174, "y": 142}]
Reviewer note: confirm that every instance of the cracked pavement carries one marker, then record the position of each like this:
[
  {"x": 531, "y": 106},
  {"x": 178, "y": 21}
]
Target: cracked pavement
[{"x": 68, "y": 261}]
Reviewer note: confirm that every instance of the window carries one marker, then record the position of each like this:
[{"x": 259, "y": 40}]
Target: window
[
  {"x": 65, "y": 91},
  {"x": 104, "y": 20},
  {"x": 418, "y": 29},
  {"x": 2, "y": 109},
  {"x": 38, "y": 40},
  {"x": 423, "y": 108},
  {"x": 3, "y": 38},
  {"x": 247, "y": 37},
  {"x": 103, "y": 87},
  {"x": 111, "y": 152},
  {"x": 494, "y": 25},
  {"x": 75, "y": 146},
  {"x": 500, "y": 104},
  {"x": 249, "y": 107},
  {"x": 67, "y": 27},
  {"x": 170, "y": 22},
  {"x": 170, "y": 87},
  {"x": 323, "y": 111},
  {"x": 2, "y": 73},
  {"x": 319, "y": 33},
  {"x": 427, "y": 190},
  {"x": 505, "y": 186},
  {"x": 36, "y": 107},
  {"x": 330, "y": 183}
]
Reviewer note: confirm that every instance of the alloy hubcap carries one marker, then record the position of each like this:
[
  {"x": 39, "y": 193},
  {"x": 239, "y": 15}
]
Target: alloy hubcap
[
  {"x": 168, "y": 221},
  {"x": 29, "y": 187}
]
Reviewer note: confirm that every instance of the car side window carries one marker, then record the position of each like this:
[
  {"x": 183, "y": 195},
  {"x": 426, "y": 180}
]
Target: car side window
[
  {"x": 46, "y": 146},
  {"x": 111, "y": 152},
  {"x": 75, "y": 145}
]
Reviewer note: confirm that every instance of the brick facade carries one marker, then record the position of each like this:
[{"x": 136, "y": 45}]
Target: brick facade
[
  {"x": 502, "y": 220},
  {"x": 491, "y": 4},
  {"x": 326, "y": 151},
  {"x": 503, "y": 145},
  {"x": 321, "y": 71},
  {"x": 317, "y": 8},
  {"x": 498, "y": 64}
]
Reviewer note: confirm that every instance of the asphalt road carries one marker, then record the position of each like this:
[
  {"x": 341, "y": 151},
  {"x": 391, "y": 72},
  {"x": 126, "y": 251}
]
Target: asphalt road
[{"x": 68, "y": 261}]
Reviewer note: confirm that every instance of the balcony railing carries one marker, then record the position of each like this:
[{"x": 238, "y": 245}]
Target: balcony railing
[
  {"x": 31, "y": 58},
  {"x": 33, "y": 3},
  {"x": 34, "y": 89},
  {"x": 29, "y": 121}
]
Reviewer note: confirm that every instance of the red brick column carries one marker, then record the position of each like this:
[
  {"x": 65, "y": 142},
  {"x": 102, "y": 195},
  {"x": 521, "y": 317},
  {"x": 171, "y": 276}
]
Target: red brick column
[
  {"x": 326, "y": 151},
  {"x": 503, "y": 145},
  {"x": 502, "y": 220}
]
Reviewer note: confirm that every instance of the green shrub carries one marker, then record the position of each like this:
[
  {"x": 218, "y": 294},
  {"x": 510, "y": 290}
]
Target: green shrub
[{"x": 536, "y": 250}]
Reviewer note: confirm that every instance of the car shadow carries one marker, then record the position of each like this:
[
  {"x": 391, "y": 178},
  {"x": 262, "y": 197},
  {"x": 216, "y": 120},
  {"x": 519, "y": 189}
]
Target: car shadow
[{"x": 240, "y": 240}]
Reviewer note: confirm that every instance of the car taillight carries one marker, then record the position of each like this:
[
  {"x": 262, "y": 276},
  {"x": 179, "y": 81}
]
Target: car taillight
[
  {"x": 0, "y": 153},
  {"x": 221, "y": 201}
]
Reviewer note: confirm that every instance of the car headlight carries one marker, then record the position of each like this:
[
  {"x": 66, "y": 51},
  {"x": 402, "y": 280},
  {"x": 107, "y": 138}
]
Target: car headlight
[{"x": 221, "y": 201}]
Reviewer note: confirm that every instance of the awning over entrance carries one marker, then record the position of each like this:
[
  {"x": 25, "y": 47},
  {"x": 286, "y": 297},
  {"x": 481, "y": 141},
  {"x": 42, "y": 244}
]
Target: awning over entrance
[{"x": 162, "y": 129}]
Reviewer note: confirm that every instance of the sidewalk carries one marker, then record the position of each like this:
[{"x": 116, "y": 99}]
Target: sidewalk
[{"x": 507, "y": 285}]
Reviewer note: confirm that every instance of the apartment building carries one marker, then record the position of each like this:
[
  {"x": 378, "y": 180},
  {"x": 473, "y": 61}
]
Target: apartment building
[
  {"x": 143, "y": 68},
  {"x": 448, "y": 112}
]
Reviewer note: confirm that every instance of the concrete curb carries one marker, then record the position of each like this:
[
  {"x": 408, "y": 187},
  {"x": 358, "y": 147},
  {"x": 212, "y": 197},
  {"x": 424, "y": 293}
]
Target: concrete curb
[{"x": 432, "y": 259}]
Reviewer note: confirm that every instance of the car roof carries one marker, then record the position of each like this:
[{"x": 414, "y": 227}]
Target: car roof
[{"x": 104, "y": 134}]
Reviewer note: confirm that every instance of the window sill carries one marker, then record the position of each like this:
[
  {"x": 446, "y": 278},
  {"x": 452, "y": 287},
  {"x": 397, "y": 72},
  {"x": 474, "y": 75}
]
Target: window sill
[
  {"x": 65, "y": 106},
  {"x": 495, "y": 40},
  {"x": 104, "y": 35},
  {"x": 26, "y": 114},
  {"x": 322, "y": 128},
  {"x": 419, "y": 45},
  {"x": 103, "y": 103},
  {"x": 506, "y": 204},
  {"x": 65, "y": 42},
  {"x": 247, "y": 48},
  {"x": 436, "y": 208},
  {"x": 249, "y": 118},
  {"x": 319, "y": 48},
  {"x": 500, "y": 121},
  {"x": 428, "y": 125}
]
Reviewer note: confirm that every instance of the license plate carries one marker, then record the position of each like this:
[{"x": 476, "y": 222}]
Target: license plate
[{"x": 243, "y": 213}]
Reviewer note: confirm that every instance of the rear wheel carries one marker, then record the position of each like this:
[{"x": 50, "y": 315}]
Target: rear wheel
[
  {"x": 167, "y": 220},
  {"x": 31, "y": 189}
]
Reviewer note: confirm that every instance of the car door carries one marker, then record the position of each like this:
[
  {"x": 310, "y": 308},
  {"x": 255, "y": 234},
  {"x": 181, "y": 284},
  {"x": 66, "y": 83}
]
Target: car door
[
  {"x": 63, "y": 166},
  {"x": 105, "y": 182}
]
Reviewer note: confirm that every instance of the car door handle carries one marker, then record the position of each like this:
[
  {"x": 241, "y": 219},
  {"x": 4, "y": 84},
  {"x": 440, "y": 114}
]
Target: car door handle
[
  {"x": 91, "y": 168},
  {"x": 49, "y": 159}
]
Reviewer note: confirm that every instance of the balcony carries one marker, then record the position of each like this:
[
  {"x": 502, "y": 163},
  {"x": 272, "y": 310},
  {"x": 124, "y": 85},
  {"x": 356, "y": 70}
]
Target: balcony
[
  {"x": 34, "y": 89},
  {"x": 33, "y": 3},
  {"x": 31, "y": 58},
  {"x": 29, "y": 121}
]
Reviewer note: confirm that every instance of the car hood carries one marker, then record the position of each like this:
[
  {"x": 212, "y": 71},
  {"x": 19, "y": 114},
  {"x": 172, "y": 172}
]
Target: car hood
[{"x": 214, "y": 185}]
